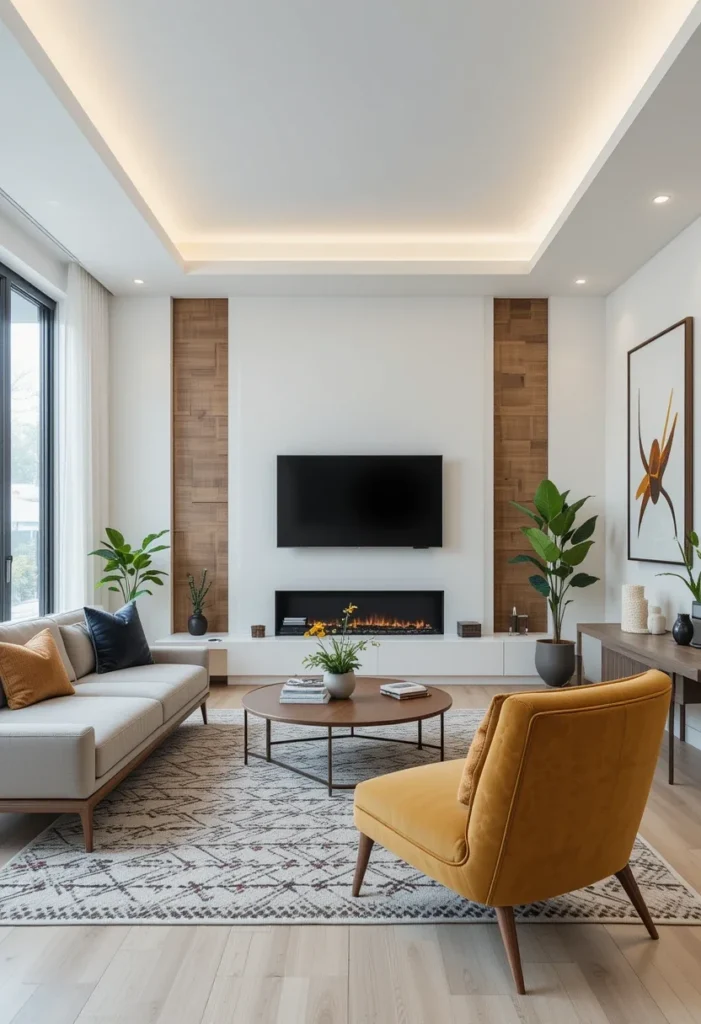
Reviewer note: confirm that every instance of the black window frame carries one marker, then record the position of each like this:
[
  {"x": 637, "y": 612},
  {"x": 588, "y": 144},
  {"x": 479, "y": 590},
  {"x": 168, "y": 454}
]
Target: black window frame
[{"x": 9, "y": 282}]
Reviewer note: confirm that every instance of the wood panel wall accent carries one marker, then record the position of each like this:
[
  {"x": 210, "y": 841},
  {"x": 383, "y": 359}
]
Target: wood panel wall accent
[
  {"x": 520, "y": 447},
  {"x": 200, "y": 456}
]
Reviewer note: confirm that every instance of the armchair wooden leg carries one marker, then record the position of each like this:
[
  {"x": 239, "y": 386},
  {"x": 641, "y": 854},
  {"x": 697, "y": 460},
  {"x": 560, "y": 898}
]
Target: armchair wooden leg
[
  {"x": 627, "y": 880},
  {"x": 86, "y": 822},
  {"x": 507, "y": 927},
  {"x": 364, "y": 849},
  {"x": 203, "y": 709}
]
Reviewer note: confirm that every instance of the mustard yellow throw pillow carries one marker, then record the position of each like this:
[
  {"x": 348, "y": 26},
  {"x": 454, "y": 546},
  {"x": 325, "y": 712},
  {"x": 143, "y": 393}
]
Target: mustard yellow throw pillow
[
  {"x": 479, "y": 748},
  {"x": 34, "y": 672}
]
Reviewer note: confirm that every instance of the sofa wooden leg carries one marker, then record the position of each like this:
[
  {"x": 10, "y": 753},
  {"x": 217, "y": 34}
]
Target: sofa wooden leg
[
  {"x": 203, "y": 709},
  {"x": 86, "y": 821},
  {"x": 627, "y": 880},
  {"x": 364, "y": 849},
  {"x": 507, "y": 927}
]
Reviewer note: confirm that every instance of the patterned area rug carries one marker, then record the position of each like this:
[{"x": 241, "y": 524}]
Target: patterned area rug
[{"x": 194, "y": 836}]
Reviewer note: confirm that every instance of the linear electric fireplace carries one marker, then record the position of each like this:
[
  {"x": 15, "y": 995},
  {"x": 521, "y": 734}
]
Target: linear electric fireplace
[{"x": 380, "y": 612}]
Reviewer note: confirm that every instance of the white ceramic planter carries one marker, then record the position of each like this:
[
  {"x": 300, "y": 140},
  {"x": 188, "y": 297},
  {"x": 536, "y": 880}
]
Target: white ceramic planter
[{"x": 339, "y": 686}]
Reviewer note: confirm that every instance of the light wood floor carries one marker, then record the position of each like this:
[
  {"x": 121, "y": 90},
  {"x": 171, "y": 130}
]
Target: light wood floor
[{"x": 411, "y": 974}]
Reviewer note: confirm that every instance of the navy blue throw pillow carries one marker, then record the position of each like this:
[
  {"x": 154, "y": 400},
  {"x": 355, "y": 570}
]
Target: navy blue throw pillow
[{"x": 118, "y": 639}]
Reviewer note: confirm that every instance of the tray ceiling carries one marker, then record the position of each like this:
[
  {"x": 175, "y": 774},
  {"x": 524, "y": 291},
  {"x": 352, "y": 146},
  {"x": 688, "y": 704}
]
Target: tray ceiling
[{"x": 224, "y": 138}]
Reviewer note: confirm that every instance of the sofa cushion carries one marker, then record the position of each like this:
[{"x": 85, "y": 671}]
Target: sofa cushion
[
  {"x": 79, "y": 648},
  {"x": 21, "y": 632},
  {"x": 173, "y": 685},
  {"x": 120, "y": 723},
  {"x": 119, "y": 640},
  {"x": 69, "y": 618},
  {"x": 33, "y": 672}
]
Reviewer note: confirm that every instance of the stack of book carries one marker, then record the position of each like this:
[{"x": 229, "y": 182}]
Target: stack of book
[
  {"x": 304, "y": 691},
  {"x": 293, "y": 625},
  {"x": 403, "y": 691}
]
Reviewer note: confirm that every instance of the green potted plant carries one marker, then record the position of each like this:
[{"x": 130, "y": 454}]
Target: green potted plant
[
  {"x": 341, "y": 658},
  {"x": 128, "y": 571},
  {"x": 559, "y": 546},
  {"x": 197, "y": 623},
  {"x": 683, "y": 629}
]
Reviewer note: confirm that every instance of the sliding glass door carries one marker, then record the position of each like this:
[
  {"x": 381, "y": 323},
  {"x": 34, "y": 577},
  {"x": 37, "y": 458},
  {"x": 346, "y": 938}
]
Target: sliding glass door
[{"x": 26, "y": 448}]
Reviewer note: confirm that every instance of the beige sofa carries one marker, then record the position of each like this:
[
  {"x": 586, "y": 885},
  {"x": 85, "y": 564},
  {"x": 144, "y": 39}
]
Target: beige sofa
[{"x": 65, "y": 754}]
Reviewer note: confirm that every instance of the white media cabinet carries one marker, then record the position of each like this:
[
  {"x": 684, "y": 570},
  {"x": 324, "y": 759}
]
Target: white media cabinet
[{"x": 483, "y": 659}]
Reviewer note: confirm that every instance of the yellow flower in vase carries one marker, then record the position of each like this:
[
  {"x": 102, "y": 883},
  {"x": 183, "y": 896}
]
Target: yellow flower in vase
[{"x": 342, "y": 656}]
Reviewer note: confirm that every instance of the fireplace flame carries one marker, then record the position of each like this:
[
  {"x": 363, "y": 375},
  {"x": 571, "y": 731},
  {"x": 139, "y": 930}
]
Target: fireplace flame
[{"x": 381, "y": 622}]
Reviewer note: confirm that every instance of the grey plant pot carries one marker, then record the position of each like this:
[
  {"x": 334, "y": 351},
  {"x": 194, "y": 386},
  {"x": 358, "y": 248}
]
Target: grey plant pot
[
  {"x": 696, "y": 623},
  {"x": 339, "y": 686},
  {"x": 555, "y": 662}
]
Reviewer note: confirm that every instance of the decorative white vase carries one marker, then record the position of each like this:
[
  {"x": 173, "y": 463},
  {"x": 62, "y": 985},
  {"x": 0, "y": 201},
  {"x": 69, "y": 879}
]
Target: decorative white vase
[
  {"x": 656, "y": 622},
  {"x": 633, "y": 608},
  {"x": 340, "y": 686}
]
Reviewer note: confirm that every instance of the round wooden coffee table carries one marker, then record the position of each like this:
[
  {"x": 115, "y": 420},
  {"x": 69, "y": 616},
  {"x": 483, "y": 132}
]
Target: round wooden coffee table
[{"x": 367, "y": 707}]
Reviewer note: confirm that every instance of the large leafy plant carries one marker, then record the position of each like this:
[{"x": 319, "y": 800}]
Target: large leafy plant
[
  {"x": 128, "y": 570},
  {"x": 559, "y": 546}
]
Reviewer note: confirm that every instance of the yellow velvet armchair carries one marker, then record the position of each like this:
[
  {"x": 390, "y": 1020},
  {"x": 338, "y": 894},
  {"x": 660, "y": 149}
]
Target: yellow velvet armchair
[{"x": 549, "y": 800}]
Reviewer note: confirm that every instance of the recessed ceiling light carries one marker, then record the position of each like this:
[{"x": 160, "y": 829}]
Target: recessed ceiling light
[
  {"x": 661, "y": 199},
  {"x": 581, "y": 280},
  {"x": 137, "y": 280}
]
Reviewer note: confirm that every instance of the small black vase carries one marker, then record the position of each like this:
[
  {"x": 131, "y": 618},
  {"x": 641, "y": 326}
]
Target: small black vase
[
  {"x": 197, "y": 625},
  {"x": 683, "y": 630}
]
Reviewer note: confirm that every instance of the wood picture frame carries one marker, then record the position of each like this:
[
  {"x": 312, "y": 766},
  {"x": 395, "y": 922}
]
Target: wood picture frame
[{"x": 660, "y": 409}]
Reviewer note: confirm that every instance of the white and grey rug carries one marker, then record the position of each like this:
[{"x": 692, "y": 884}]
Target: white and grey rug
[{"x": 193, "y": 836}]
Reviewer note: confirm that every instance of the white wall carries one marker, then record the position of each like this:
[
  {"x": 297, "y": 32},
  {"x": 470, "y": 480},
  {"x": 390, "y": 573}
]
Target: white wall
[
  {"x": 576, "y": 409},
  {"x": 337, "y": 374},
  {"x": 663, "y": 291},
  {"x": 140, "y": 435},
  {"x": 354, "y": 376}
]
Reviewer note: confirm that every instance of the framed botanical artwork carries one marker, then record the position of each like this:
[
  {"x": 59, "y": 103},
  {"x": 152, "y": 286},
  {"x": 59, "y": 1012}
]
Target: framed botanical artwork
[{"x": 660, "y": 442}]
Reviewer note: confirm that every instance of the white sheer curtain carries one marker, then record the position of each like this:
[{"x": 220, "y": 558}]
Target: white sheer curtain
[{"x": 82, "y": 456}]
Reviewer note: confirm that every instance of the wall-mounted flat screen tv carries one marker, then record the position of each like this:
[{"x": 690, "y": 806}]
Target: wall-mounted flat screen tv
[{"x": 359, "y": 501}]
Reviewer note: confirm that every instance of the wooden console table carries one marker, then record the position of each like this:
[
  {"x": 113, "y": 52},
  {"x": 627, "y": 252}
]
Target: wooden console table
[{"x": 626, "y": 654}]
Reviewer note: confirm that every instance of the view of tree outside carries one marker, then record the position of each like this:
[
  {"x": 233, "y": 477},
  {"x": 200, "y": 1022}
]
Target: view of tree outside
[{"x": 25, "y": 368}]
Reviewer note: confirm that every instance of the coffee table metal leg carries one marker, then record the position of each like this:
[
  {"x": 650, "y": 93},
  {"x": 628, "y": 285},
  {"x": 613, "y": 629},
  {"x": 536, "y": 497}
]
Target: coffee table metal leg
[
  {"x": 442, "y": 736},
  {"x": 330, "y": 763},
  {"x": 245, "y": 736},
  {"x": 421, "y": 746},
  {"x": 267, "y": 739}
]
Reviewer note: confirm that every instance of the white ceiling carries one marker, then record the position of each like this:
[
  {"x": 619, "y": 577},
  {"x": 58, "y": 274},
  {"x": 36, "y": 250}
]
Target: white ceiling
[{"x": 212, "y": 146}]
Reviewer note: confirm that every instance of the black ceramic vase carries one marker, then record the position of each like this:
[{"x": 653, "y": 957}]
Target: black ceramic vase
[
  {"x": 683, "y": 630},
  {"x": 197, "y": 625}
]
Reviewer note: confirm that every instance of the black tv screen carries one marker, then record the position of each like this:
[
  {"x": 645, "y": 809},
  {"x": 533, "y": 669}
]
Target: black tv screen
[{"x": 359, "y": 501}]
